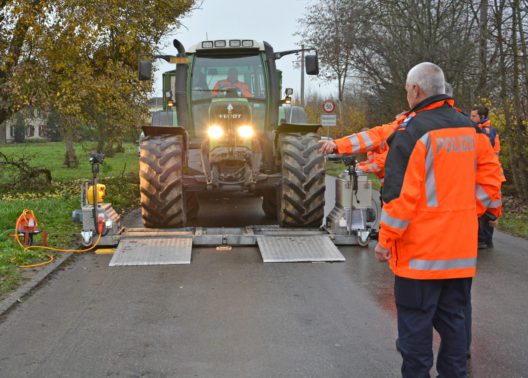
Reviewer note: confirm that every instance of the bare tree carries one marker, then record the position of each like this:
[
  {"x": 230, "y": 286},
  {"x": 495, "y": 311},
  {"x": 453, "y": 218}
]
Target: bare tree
[{"x": 331, "y": 27}]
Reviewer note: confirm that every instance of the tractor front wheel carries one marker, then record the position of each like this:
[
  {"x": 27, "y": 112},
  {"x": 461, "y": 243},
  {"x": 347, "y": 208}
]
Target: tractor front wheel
[
  {"x": 160, "y": 178},
  {"x": 303, "y": 181}
]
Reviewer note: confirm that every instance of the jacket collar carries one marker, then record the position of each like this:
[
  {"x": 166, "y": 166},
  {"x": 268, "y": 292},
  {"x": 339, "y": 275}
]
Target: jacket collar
[
  {"x": 431, "y": 101},
  {"x": 484, "y": 123}
]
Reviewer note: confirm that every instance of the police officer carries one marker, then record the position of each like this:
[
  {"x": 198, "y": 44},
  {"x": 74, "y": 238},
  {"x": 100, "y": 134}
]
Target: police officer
[
  {"x": 431, "y": 184},
  {"x": 479, "y": 115}
]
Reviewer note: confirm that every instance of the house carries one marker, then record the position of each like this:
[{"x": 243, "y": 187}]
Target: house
[{"x": 34, "y": 122}]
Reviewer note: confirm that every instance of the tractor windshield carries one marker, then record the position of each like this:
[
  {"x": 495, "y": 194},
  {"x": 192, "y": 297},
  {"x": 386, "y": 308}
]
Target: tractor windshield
[{"x": 227, "y": 77}]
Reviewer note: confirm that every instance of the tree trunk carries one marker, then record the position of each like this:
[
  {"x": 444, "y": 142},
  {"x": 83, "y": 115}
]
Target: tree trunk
[
  {"x": 518, "y": 121},
  {"x": 483, "y": 48},
  {"x": 508, "y": 129},
  {"x": 3, "y": 136},
  {"x": 70, "y": 159},
  {"x": 3, "y": 129}
]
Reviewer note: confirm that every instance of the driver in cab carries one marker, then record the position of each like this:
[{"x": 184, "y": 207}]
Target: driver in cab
[{"x": 232, "y": 82}]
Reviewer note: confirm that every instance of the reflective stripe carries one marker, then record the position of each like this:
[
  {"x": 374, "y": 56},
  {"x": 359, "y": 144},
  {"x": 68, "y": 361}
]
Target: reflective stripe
[
  {"x": 430, "y": 181},
  {"x": 483, "y": 197},
  {"x": 375, "y": 167},
  {"x": 389, "y": 220},
  {"x": 418, "y": 264},
  {"x": 355, "y": 143},
  {"x": 368, "y": 141}
]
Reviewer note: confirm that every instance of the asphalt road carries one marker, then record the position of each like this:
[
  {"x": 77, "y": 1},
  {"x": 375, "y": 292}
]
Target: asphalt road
[{"x": 229, "y": 315}]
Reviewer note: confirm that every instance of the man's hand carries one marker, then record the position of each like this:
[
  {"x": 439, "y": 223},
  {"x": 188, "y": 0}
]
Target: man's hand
[
  {"x": 327, "y": 146},
  {"x": 494, "y": 223},
  {"x": 382, "y": 254}
]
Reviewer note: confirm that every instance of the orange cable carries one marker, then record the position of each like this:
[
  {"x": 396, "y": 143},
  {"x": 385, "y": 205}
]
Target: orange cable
[{"x": 51, "y": 258}]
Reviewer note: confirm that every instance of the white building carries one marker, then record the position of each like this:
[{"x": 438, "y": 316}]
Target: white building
[{"x": 34, "y": 126}]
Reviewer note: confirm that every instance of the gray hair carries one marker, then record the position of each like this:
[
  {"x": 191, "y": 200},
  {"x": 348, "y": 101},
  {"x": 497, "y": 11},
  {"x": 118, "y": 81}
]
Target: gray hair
[
  {"x": 429, "y": 77},
  {"x": 448, "y": 89}
]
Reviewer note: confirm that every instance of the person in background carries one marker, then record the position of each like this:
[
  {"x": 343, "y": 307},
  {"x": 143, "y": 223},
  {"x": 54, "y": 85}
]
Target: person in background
[{"x": 487, "y": 223}]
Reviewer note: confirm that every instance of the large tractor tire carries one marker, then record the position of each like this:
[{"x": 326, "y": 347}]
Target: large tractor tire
[
  {"x": 303, "y": 181},
  {"x": 160, "y": 180}
]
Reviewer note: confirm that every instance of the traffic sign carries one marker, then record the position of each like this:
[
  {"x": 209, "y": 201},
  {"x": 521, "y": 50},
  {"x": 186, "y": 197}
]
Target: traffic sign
[
  {"x": 328, "y": 120},
  {"x": 329, "y": 106}
]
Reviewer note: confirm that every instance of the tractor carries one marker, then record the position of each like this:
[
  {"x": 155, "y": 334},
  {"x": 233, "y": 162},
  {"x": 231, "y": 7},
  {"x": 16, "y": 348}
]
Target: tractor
[{"x": 225, "y": 127}]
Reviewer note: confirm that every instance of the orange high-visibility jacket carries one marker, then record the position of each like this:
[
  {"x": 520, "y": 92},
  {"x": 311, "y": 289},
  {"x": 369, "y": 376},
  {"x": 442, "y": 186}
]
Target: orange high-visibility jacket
[
  {"x": 485, "y": 125},
  {"x": 440, "y": 173},
  {"x": 227, "y": 84},
  {"x": 368, "y": 140},
  {"x": 375, "y": 162}
]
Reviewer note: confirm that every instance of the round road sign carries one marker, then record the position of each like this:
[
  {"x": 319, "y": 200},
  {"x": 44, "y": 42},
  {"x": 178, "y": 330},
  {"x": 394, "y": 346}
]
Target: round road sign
[{"x": 329, "y": 106}]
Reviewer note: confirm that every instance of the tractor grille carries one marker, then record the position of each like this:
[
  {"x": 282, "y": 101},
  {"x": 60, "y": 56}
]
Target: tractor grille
[{"x": 230, "y": 113}]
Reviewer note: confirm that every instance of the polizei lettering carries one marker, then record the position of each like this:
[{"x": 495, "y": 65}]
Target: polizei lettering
[{"x": 455, "y": 144}]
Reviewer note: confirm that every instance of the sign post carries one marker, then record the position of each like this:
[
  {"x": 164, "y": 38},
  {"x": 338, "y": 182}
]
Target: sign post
[{"x": 328, "y": 117}]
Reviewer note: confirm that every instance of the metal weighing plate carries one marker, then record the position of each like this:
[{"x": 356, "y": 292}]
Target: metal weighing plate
[
  {"x": 298, "y": 249},
  {"x": 152, "y": 251}
]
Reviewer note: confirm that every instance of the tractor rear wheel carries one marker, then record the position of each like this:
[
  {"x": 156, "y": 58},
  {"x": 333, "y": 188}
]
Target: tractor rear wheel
[
  {"x": 160, "y": 178},
  {"x": 303, "y": 181}
]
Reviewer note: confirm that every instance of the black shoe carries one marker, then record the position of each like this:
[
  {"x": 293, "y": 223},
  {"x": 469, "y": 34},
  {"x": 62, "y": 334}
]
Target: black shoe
[
  {"x": 398, "y": 345},
  {"x": 468, "y": 354}
]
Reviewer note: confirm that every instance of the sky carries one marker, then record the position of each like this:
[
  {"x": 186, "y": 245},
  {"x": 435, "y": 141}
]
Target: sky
[{"x": 273, "y": 21}]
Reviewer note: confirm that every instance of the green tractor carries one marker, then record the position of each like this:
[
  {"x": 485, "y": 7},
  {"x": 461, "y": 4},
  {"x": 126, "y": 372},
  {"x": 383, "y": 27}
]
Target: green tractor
[{"x": 226, "y": 128}]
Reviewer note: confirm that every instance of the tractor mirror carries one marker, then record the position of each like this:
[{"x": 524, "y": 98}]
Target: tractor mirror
[
  {"x": 288, "y": 91},
  {"x": 145, "y": 70},
  {"x": 312, "y": 64}
]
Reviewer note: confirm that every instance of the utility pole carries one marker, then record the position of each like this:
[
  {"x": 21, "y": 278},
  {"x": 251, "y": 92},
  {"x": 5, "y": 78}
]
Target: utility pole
[{"x": 302, "y": 75}]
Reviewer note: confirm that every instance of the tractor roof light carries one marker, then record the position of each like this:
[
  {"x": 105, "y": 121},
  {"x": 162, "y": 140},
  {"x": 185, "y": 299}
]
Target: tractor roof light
[
  {"x": 220, "y": 43},
  {"x": 247, "y": 43},
  {"x": 234, "y": 43},
  {"x": 246, "y": 132},
  {"x": 215, "y": 132},
  {"x": 207, "y": 44}
]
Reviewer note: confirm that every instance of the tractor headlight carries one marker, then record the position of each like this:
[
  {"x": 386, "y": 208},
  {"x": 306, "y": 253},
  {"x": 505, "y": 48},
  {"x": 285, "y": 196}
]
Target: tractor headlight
[
  {"x": 215, "y": 132},
  {"x": 246, "y": 132}
]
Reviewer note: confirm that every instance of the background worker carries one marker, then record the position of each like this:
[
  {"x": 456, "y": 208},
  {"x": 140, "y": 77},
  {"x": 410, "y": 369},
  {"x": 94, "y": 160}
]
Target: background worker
[
  {"x": 232, "y": 82},
  {"x": 487, "y": 223},
  {"x": 375, "y": 162},
  {"x": 479, "y": 115},
  {"x": 430, "y": 181}
]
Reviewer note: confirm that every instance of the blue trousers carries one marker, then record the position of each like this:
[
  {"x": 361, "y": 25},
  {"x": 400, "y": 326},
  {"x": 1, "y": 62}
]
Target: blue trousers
[
  {"x": 422, "y": 305},
  {"x": 467, "y": 315},
  {"x": 485, "y": 231}
]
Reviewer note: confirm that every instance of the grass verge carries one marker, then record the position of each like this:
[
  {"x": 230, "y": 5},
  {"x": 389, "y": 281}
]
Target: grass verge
[
  {"x": 53, "y": 206},
  {"x": 514, "y": 218}
]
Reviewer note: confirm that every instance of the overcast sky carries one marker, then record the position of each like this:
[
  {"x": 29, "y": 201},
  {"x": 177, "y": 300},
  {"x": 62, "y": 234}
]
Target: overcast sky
[{"x": 273, "y": 21}]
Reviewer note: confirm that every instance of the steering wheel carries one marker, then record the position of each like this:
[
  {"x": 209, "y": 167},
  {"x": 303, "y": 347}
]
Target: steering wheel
[{"x": 231, "y": 92}]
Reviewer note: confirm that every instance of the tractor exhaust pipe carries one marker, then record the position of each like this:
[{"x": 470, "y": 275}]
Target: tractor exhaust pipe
[{"x": 181, "y": 89}]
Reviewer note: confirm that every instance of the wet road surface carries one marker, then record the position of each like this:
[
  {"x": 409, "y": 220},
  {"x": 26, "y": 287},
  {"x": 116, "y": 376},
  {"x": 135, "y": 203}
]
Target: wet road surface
[{"x": 229, "y": 315}]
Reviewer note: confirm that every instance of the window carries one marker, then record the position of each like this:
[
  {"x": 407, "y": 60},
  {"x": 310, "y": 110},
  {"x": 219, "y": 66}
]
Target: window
[{"x": 228, "y": 76}]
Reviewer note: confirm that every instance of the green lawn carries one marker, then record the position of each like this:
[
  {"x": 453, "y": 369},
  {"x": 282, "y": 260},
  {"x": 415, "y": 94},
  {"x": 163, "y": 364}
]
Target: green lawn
[
  {"x": 53, "y": 206},
  {"x": 514, "y": 218},
  {"x": 51, "y": 156}
]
